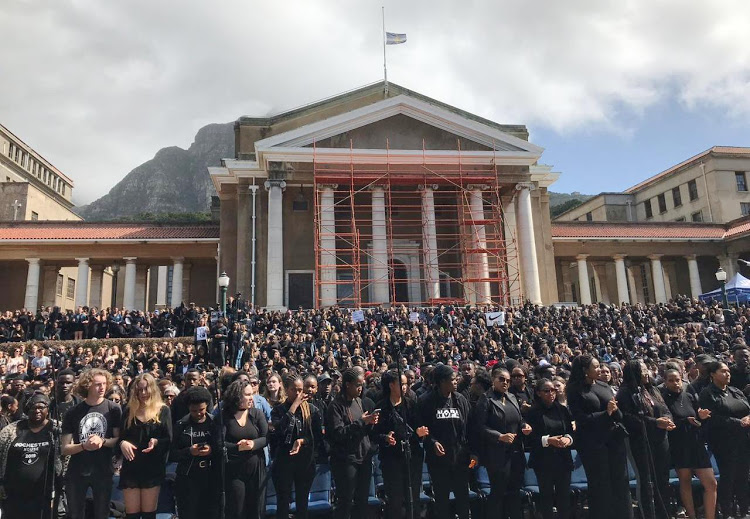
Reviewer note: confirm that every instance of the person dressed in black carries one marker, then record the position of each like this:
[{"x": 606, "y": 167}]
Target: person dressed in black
[
  {"x": 90, "y": 431},
  {"x": 195, "y": 448},
  {"x": 349, "y": 421},
  {"x": 245, "y": 438},
  {"x": 145, "y": 435},
  {"x": 520, "y": 388},
  {"x": 647, "y": 420},
  {"x": 550, "y": 442},
  {"x": 64, "y": 399},
  {"x": 727, "y": 435},
  {"x": 27, "y": 461},
  {"x": 687, "y": 450},
  {"x": 601, "y": 440},
  {"x": 500, "y": 428},
  {"x": 296, "y": 442},
  {"x": 219, "y": 334},
  {"x": 399, "y": 423},
  {"x": 445, "y": 413}
]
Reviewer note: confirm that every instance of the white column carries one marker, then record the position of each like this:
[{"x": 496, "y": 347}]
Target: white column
[
  {"x": 481, "y": 267},
  {"x": 82, "y": 283},
  {"x": 161, "y": 286},
  {"x": 95, "y": 293},
  {"x": 729, "y": 263},
  {"x": 429, "y": 242},
  {"x": 275, "y": 257},
  {"x": 31, "y": 301},
  {"x": 141, "y": 287},
  {"x": 584, "y": 286},
  {"x": 527, "y": 246},
  {"x": 128, "y": 297},
  {"x": 622, "y": 279},
  {"x": 177, "y": 281},
  {"x": 380, "y": 281},
  {"x": 657, "y": 273},
  {"x": 695, "y": 276},
  {"x": 327, "y": 246}
]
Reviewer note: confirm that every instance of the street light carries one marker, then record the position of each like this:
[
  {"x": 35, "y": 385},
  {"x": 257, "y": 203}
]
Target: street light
[
  {"x": 115, "y": 269},
  {"x": 721, "y": 277},
  {"x": 223, "y": 284}
]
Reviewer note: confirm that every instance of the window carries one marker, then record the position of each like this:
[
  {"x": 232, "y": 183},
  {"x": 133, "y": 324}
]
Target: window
[
  {"x": 34, "y": 216},
  {"x": 680, "y": 219},
  {"x": 58, "y": 287},
  {"x": 677, "y": 196},
  {"x": 693, "y": 190},
  {"x": 662, "y": 199},
  {"x": 739, "y": 176},
  {"x": 697, "y": 216},
  {"x": 71, "y": 289},
  {"x": 7, "y": 179},
  {"x": 745, "y": 208},
  {"x": 589, "y": 217},
  {"x": 644, "y": 283},
  {"x": 63, "y": 190},
  {"x": 647, "y": 207},
  {"x": 11, "y": 148}
]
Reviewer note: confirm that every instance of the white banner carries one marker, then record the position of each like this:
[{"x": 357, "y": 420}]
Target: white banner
[
  {"x": 358, "y": 316},
  {"x": 414, "y": 317},
  {"x": 495, "y": 318},
  {"x": 201, "y": 333}
]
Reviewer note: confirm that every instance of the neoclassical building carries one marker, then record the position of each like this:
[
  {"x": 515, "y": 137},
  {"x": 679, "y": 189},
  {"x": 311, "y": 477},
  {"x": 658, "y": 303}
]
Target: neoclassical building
[{"x": 381, "y": 196}]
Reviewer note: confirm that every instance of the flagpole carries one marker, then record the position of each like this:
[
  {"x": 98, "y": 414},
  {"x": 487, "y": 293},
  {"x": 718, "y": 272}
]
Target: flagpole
[{"x": 385, "y": 68}]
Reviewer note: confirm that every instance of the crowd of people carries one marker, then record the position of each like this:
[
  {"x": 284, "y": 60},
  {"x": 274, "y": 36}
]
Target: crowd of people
[{"x": 664, "y": 386}]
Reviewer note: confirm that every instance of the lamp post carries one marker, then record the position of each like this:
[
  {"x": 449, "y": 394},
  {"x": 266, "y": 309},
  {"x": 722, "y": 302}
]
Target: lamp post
[
  {"x": 721, "y": 277},
  {"x": 115, "y": 269},
  {"x": 223, "y": 284}
]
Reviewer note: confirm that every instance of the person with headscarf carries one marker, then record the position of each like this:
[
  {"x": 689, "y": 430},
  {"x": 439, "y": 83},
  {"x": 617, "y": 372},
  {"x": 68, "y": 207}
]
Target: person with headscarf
[
  {"x": 601, "y": 440},
  {"x": 647, "y": 420},
  {"x": 27, "y": 462},
  {"x": 445, "y": 412},
  {"x": 296, "y": 441}
]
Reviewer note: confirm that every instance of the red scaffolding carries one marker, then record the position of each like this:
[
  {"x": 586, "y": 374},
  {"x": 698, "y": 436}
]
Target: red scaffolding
[{"x": 476, "y": 250}]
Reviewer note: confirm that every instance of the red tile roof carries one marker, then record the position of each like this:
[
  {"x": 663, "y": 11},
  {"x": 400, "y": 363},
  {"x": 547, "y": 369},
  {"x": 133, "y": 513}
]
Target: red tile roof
[
  {"x": 106, "y": 231},
  {"x": 615, "y": 230}
]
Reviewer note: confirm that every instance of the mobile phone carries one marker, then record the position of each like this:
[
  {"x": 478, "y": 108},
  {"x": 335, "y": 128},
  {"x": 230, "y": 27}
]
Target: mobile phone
[
  {"x": 201, "y": 445},
  {"x": 376, "y": 411}
]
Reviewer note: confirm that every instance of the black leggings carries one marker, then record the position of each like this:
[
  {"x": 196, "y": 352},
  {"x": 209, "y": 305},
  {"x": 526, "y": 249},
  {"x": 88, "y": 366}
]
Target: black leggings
[
  {"x": 653, "y": 487},
  {"x": 394, "y": 483},
  {"x": 246, "y": 494},
  {"x": 197, "y": 494},
  {"x": 606, "y": 469},
  {"x": 447, "y": 478},
  {"x": 554, "y": 490},
  {"x": 733, "y": 461},
  {"x": 352, "y": 488},
  {"x": 289, "y": 470}
]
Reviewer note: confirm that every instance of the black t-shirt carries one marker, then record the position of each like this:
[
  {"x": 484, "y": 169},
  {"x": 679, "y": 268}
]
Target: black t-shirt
[
  {"x": 83, "y": 421},
  {"x": 27, "y": 460},
  {"x": 63, "y": 407}
]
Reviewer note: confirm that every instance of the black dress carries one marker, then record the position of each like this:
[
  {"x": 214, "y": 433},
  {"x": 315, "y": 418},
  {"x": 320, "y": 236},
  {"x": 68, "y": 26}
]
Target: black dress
[
  {"x": 147, "y": 470},
  {"x": 687, "y": 448},
  {"x": 246, "y": 470}
]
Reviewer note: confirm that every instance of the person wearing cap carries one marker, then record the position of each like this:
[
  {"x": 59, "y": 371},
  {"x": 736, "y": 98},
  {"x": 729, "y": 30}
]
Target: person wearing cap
[
  {"x": 325, "y": 392},
  {"x": 27, "y": 462},
  {"x": 445, "y": 413}
]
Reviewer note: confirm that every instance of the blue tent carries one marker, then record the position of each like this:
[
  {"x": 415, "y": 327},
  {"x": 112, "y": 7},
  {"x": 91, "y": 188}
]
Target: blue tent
[{"x": 738, "y": 291}]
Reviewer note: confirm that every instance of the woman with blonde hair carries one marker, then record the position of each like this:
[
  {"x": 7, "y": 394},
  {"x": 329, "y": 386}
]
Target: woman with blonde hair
[
  {"x": 274, "y": 391},
  {"x": 145, "y": 435}
]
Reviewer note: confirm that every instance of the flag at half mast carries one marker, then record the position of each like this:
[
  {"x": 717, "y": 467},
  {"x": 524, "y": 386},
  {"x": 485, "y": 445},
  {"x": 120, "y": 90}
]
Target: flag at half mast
[{"x": 392, "y": 38}]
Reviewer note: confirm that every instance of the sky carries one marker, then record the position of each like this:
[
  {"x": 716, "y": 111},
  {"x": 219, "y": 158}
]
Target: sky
[{"x": 614, "y": 91}]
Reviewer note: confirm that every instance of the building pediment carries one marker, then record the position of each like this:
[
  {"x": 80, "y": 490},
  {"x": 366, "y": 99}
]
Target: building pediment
[{"x": 370, "y": 127}]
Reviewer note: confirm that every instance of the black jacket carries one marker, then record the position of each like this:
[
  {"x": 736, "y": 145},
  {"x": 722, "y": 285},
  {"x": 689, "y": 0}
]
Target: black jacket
[
  {"x": 594, "y": 426},
  {"x": 553, "y": 421},
  {"x": 490, "y": 422},
  {"x": 403, "y": 421},
  {"x": 727, "y": 409},
  {"x": 185, "y": 434},
  {"x": 346, "y": 432},
  {"x": 633, "y": 411},
  {"x": 288, "y": 427}
]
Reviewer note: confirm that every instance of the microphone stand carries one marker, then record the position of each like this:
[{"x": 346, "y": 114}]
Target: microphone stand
[
  {"x": 56, "y": 426},
  {"x": 405, "y": 443},
  {"x": 222, "y": 444},
  {"x": 648, "y": 508}
]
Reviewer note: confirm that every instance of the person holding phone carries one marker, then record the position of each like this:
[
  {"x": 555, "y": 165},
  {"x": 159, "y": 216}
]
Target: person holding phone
[
  {"x": 500, "y": 427},
  {"x": 296, "y": 442},
  {"x": 445, "y": 413},
  {"x": 349, "y": 421},
  {"x": 196, "y": 451}
]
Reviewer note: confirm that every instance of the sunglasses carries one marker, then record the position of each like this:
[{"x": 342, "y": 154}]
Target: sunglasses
[
  {"x": 503, "y": 379},
  {"x": 254, "y": 383}
]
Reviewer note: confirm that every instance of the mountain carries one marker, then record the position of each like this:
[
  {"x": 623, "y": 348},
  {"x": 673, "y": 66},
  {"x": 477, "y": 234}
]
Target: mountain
[{"x": 174, "y": 181}]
